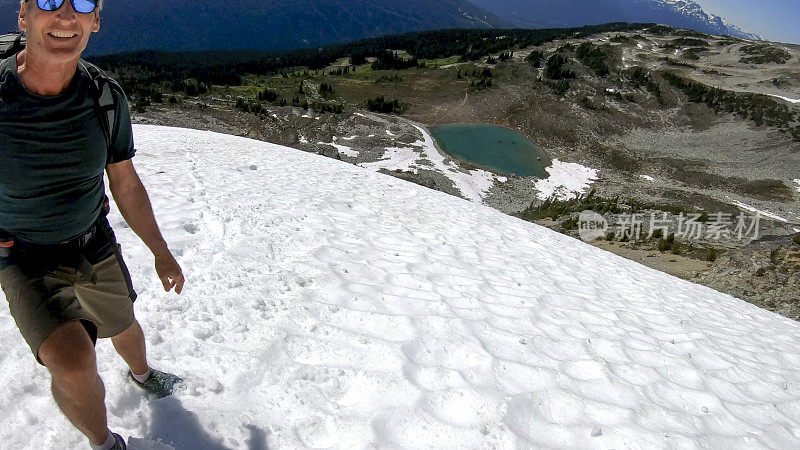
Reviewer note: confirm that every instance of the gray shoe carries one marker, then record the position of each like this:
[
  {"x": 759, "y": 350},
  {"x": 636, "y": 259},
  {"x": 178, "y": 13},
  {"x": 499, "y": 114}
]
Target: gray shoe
[
  {"x": 161, "y": 384},
  {"x": 120, "y": 444}
]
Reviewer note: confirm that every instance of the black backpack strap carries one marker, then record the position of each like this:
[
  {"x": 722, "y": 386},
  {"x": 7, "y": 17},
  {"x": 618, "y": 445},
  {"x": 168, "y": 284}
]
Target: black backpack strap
[
  {"x": 106, "y": 94},
  {"x": 11, "y": 44}
]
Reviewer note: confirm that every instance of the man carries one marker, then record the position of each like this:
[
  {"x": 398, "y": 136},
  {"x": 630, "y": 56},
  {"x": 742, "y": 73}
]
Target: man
[{"x": 62, "y": 271}]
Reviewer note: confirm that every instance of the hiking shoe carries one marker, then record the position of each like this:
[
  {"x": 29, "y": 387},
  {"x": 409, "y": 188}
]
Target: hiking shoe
[
  {"x": 161, "y": 384},
  {"x": 120, "y": 444}
]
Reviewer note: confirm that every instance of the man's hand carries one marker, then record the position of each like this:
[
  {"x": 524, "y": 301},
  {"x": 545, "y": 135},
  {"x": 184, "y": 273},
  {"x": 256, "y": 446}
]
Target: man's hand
[{"x": 169, "y": 272}]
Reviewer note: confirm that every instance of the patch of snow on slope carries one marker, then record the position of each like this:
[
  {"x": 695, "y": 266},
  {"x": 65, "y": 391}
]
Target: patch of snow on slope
[
  {"x": 756, "y": 210},
  {"x": 473, "y": 184},
  {"x": 797, "y": 180},
  {"x": 566, "y": 181},
  {"x": 647, "y": 178},
  {"x": 476, "y": 19},
  {"x": 790, "y": 100},
  {"x": 348, "y": 151},
  {"x": 402, "y": 158},
  {"x": 329, "y": 306}
]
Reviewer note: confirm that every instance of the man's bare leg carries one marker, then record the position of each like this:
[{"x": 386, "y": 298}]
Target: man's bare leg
[
  {"x": 69, "y": 355},
  {"x": 131, "y": 346}
]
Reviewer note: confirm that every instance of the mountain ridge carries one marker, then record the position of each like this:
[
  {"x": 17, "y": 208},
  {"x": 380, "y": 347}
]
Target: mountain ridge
[
  {"x": 128, "y": 25},
  {"x": 550, "y": 13}
]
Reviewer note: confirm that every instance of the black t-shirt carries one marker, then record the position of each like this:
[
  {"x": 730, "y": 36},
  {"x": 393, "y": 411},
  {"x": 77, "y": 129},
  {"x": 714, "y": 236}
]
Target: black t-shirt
[{"x": 52, "y": 158}]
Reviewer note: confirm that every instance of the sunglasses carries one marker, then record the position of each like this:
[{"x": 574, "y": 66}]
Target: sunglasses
[{"x": 81, "y": 6}]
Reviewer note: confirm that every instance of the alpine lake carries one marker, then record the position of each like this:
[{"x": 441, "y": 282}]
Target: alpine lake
[{"x": 495, "y": 148}]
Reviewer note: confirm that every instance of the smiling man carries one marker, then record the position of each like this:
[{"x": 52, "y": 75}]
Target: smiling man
[{"x": 61, "y": 269}]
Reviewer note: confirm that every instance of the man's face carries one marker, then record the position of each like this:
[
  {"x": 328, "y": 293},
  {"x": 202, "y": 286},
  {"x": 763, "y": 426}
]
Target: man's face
[{"x": 60, "y": 35}]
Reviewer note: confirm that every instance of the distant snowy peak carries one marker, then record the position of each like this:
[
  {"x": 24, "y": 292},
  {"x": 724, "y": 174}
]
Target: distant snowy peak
[
  {"x": 733, "y": 30},
  {"x": 695, "y": 12},
  {"x": 687, "y": 7},
  {"x": 574, "y": 13}
]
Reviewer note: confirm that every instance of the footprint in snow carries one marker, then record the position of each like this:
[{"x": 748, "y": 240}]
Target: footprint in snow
[
  {"x": 304, "y": 282},
  {"x": 191, "y": 228},
  {"x": 317, "y": 432}
]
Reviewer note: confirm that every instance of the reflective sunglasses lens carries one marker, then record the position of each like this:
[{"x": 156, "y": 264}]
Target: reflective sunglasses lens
[
  {"x": 84, "y": 6},
  {"x": 49, "y": 5}
]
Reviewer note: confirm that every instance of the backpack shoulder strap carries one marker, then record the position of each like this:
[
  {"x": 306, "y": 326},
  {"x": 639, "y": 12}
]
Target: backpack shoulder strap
[
  {"x": 11, "y": 44},
  {"x": 107, "y": 94}
]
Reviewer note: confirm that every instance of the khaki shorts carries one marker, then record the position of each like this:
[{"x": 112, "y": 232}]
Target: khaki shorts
[{"x": 40, "y": 301}]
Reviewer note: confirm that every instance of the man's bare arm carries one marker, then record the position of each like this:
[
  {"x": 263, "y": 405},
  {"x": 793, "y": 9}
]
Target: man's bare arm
[{"x": 134, "y": 204}]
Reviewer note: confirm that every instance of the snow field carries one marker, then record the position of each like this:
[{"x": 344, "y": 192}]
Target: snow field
[{"x": 328, "y": 306}]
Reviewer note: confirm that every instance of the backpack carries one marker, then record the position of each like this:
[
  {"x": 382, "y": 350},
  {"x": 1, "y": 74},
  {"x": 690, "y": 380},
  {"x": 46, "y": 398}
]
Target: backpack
[{"x": 104, "y": 90}]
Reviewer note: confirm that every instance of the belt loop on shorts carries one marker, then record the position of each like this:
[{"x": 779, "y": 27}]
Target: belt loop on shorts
[
  {"x": 7, "y": 242},
  {"x": 84, "y": 266},
  {"x": 5, "y": 248}
]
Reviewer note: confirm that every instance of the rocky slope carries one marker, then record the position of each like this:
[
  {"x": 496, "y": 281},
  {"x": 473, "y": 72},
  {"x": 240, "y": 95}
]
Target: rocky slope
[{"x": 765, "y": 273}]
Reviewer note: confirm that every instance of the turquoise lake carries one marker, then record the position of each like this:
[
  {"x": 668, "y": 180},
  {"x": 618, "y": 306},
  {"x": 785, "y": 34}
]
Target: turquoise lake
[{"x": 495, "y": 148}]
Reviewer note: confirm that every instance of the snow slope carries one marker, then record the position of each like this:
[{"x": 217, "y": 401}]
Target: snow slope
[{"x": 331, "y": 306}]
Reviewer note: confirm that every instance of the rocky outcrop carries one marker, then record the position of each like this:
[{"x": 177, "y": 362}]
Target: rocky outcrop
[{"x": 766, "y": 273}]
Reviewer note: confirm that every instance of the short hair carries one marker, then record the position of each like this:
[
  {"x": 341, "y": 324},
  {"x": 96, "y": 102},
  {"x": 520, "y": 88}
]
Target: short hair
[{"x": 99, "y": 4}]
